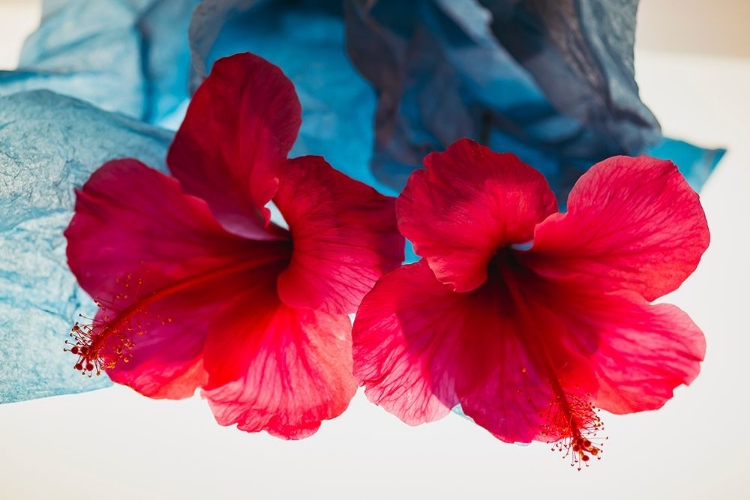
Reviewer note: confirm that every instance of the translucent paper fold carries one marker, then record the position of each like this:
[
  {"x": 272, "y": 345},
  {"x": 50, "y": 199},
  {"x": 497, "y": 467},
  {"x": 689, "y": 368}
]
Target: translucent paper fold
[
  {"x": 550, "y": 81},
  {"x": 129, "y": 56},
  {"x": 50, "y": 144}
]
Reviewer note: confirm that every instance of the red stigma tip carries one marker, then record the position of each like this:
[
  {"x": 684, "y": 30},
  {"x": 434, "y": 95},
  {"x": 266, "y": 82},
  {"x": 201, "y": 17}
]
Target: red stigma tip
[
  {"x": 107, "y": 339},
  {"x": 573, "y": 422},
  {"x": 100, "y": 345}
]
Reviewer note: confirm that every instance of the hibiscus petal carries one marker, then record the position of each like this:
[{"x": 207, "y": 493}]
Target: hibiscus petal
[
  {"x": 420, "y": 349},
  {"x": 306, "y": 40},
  {"x": 239, "y": 127},
  {"x": 406, "y": 343},
  {"x": 630, "y": 354},
  {"x": 278, "y": 369},
  {"x": 643, "y": 352},
  {"x": 146, "y": 250},
  {"x": 466, "y": 204},
  {"x": 344, "y": 233},
  {"x": 632, "y": 223},
  {"x": 167, "y": 360},
  {"x": 49, "y": 144}
]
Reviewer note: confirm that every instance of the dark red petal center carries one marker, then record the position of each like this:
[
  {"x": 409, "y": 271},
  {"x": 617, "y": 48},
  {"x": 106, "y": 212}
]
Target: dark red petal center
[{"x": 571, "y": 418}]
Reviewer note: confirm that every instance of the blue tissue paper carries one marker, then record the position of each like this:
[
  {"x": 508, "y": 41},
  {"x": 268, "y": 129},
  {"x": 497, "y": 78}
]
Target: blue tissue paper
[
  {"x": 383, "y": 83},
  {"x": 130, "y": 56},
  {"x": 50, "y": 144}
]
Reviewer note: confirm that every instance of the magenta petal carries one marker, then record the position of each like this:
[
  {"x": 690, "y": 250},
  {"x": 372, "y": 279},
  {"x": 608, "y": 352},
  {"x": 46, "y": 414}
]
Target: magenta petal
[
  {"x": 344, "y": 233},
  {"x": 468, "y": 203},
  {"x": 632, "y": 223},
  {"x": 635, "y": 352},
  {"x": 239, "y": 128},
  {"x": 420, "y": 349},
  {"x": 643, "y": 352},
  {"x": 278, "y": 369},
  {"x": 407, "y": 344},
  {"x": 167, "y": 361}
]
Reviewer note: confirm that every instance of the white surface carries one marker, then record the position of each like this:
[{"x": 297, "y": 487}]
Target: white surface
[
  {"x": 18, "y": 18},
  {"x": 716, "y": 27},
  {"x": 114, "y": 444}
]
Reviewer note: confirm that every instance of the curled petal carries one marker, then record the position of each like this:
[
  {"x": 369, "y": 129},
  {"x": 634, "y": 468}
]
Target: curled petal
[
  {"x": 239, "y": 128},
  {"x": 467, "y": 203},
  {"x": 632, "y": 223},
  {"x": 344, "y": 232},
  {"x": 306, "y": 40}
]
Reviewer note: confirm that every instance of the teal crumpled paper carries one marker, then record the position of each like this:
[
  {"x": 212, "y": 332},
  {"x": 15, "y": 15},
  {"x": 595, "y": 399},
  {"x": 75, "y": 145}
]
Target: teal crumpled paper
[
  {"x": 551, "y": 81},
  {"x": 130, "y": 56},
  {"x": 48, "y": 145}
]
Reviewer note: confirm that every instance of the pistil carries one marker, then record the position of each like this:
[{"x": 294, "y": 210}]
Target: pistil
[{"x": 109, "y": 337}]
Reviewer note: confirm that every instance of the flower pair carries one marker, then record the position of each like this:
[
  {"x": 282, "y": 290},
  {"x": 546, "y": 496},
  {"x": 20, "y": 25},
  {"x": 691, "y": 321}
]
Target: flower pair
[
  {"x": 199, "y": 288},
  {"x": 528, "y": 318},
  {"x": 523, "y": 316}
]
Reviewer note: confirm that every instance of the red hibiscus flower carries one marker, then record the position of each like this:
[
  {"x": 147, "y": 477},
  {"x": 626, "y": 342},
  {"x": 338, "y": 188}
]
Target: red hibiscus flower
[
  {"x": 199, "y": 289},
  {"x": 528, "y": 318}
]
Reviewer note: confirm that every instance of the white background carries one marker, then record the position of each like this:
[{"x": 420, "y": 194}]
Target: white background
[{"x": 114, "y": 444}]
